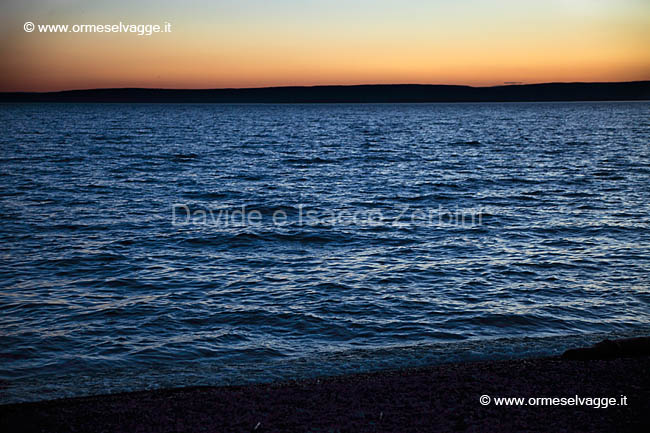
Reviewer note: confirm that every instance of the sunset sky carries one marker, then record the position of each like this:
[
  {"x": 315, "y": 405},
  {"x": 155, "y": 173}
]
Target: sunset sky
[{"x": 252, "y": 43}]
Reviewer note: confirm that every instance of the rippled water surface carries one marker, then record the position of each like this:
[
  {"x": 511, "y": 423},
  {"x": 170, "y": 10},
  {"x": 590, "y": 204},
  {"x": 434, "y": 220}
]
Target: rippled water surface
[{"x": 102, "y": 289}]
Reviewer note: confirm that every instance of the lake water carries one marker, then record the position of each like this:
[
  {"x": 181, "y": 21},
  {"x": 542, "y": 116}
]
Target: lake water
[{"x": 167, "y": 245}]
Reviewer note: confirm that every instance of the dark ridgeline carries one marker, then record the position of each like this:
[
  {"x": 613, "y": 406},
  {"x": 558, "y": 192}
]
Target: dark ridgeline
[{"x": 634, "y": 90}]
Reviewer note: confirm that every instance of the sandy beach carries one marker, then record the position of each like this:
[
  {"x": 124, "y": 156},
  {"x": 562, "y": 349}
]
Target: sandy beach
[{"x": 439, "y": 398}]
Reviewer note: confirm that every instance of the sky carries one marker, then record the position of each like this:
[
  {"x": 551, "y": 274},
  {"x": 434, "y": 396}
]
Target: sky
[{"x": 255, "y": 43}]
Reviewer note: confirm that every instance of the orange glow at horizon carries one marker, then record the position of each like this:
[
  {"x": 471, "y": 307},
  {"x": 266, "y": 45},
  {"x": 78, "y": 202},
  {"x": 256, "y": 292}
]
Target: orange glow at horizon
[{"x": 428, "y": 43}]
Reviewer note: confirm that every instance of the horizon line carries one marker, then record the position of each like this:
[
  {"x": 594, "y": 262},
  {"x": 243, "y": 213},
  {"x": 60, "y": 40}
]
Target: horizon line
[{"x": 505, "y": 84}]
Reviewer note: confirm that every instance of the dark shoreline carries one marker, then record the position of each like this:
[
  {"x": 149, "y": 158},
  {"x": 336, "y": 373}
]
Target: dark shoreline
[
  {"x": 372, "y": 93},
  {"x": 438, "y": 398}
]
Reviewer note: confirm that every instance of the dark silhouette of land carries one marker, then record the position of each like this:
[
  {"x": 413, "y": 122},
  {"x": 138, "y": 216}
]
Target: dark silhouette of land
[{"x": 634, "y": 90}]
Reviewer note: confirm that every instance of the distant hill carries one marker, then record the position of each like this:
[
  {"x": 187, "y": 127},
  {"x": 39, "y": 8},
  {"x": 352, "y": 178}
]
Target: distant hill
[{"x": 635, "y": 90}]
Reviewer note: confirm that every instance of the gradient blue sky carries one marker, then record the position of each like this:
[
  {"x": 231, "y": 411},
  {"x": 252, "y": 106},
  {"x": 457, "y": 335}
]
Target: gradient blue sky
[{"x": 249, "y": 43}]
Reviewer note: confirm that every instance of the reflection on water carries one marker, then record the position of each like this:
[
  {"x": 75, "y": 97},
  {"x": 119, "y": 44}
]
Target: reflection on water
[{"x": 97, "y": 281}]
